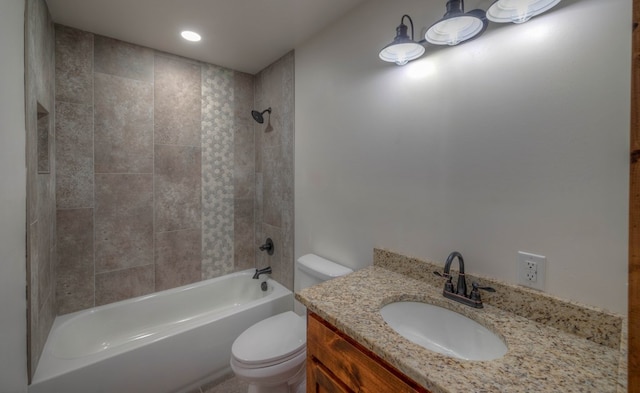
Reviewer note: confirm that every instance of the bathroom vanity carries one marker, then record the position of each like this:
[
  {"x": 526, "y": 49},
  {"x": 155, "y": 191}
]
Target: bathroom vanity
[
  {"x": 337, "y": 363},
  {"x": 553, "y": 345}
]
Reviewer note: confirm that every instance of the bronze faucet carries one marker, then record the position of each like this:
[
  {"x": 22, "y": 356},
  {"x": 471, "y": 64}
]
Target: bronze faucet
[{"x": 473, "y": 299}]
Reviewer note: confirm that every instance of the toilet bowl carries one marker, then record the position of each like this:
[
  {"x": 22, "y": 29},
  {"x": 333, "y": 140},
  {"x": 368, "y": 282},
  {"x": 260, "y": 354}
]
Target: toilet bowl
[{"x": 271, "y": 354}]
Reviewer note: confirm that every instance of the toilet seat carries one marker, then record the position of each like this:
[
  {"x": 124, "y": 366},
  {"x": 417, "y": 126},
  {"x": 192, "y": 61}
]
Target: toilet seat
[{"x": 271, "y": 341}]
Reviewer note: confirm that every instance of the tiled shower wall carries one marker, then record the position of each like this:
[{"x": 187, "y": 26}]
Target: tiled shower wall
[
  {"x": 40, "y": 149},
  {"x": 156, "y": 170},
  {"x": 274, "y": 87}
]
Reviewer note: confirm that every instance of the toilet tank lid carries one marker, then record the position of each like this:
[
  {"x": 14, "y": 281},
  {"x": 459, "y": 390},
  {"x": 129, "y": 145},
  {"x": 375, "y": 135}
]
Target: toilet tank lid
[{"x": 322, "y": 268}]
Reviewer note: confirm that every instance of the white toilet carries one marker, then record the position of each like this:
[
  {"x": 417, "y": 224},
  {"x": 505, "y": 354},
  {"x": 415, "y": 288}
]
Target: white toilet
[{"x": 271, "y": 354}]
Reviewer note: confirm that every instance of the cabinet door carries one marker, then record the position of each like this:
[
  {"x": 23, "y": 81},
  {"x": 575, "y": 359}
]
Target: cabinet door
[
  {"x": 320, "y": 381},
  {"x": 356, "y": 369}
]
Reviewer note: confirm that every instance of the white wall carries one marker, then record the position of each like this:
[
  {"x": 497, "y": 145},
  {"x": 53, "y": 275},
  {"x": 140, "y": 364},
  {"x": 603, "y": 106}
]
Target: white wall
[
  {"x": 13, "y": 324},
  {"x": 515, "y": 141}
]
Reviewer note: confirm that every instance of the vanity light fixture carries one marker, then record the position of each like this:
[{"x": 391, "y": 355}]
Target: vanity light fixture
[
  {"x": 456, "y": 26},
  {"x": 403, "y": 49},
  {"x": 518, "y": 11},
  {"x": 190, "y": 36}
]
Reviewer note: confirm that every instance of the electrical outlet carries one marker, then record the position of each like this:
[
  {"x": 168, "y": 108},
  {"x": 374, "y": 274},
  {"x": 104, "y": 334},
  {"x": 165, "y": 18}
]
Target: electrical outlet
[{"x": 531, "y": 270}]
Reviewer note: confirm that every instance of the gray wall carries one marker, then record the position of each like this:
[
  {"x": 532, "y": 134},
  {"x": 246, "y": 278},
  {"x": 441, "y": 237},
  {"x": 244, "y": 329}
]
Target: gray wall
[
  {"x": 13, "y": 197},
  {"x": 41, "y": 229}
]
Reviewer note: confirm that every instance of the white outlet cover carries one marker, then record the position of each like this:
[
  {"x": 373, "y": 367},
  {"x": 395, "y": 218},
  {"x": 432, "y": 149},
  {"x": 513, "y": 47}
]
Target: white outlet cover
[{"x": 540, "y": 261}]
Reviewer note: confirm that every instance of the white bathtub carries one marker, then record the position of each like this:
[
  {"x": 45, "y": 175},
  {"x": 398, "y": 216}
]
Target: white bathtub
[{"x": 169, "y": 341}]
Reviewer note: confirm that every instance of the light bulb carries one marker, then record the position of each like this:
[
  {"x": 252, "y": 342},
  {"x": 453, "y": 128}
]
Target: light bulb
[
  {"x": 523, "y": 11},
  {"x": 522, "y": 17},
  {"x": 453, "y": 39}
]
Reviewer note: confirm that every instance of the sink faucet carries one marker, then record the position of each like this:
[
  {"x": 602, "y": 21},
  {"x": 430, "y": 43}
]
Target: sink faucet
[
  {"x": 473, "y": 299},
  {"x": 462, "y": 282},
  {"x": 266, "y": 270}
]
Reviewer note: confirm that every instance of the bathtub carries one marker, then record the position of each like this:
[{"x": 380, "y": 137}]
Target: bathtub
[{"x": 169, "y": 341}]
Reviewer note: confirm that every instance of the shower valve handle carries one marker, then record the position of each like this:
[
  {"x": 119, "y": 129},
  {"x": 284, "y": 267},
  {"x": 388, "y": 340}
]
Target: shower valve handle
[{"x": 268, "y": 246}]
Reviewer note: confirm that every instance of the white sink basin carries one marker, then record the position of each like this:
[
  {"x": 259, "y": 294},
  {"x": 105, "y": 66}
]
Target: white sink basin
[{"x": 443, "y": 331}]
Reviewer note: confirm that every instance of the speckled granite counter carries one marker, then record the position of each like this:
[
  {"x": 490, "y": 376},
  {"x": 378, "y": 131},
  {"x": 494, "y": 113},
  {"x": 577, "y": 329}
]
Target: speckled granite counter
[{"x": 580, "y": 352}]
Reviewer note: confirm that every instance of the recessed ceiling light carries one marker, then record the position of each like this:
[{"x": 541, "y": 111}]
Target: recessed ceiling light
[{"x": 191, "y": 36}]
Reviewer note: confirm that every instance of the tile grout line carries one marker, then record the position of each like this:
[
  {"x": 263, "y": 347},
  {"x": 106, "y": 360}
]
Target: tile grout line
[
  {"x": 153, "y": 173},
  {"x": 93, "y": 161}
]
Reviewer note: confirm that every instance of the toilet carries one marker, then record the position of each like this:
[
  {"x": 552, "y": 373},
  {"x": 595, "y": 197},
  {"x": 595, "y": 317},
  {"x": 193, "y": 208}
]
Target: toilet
[{"x": 271, "y": 354}]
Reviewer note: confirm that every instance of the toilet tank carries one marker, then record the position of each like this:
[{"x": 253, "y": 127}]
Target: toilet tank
[{"x": 312, "y": 269}]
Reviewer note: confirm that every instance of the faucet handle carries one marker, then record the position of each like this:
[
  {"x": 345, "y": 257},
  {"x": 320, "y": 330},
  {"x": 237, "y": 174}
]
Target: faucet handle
[
  {"x": 267, "y": 246},
  {"x": 443, "y": 275},
  {"x": 477, "y": 286},
  {"x": 448, "y": 286},
  {"x": 475, "y": 293}
]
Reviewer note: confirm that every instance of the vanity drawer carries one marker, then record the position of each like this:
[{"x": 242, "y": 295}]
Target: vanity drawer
[
  {"x": 334, "y": 357},
  {"x": 320, "y": 380}
]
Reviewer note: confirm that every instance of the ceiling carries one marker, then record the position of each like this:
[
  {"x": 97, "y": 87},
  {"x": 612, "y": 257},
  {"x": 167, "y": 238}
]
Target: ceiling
[{"x": 244, "y": 35}]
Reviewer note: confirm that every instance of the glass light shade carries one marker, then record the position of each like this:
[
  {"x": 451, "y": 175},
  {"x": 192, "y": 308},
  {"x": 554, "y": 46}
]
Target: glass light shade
[
  {"x": 454, "y": 30},
  {"x": 401, "y": 51},
  {"x": 518, "y": 11}
]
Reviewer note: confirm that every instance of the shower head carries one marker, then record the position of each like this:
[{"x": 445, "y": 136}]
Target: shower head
[{"x": 257, "y": 116}]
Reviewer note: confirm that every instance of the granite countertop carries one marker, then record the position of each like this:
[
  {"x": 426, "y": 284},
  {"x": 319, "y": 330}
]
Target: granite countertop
[{"x": 541, "y": 357}]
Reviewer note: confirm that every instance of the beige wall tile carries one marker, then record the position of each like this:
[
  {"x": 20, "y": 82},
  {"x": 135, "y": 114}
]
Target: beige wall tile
[
  {"x": 74, "y": 65},
  {"x": 123, "y": 59},
  {"x": 243, "y": 235},
  {"x": 124, "y": 221},
  {"x": 243, "y": 85},
  {"x": 177, "y": 187},
  {"x": 74, "y": 272},
  {"x": 124, "y": 284},
  {"x": 178, "y": 258},
  {"x": 74, "y": 155},
  {"x": 123, "y": 125},
  {"x": 177, "y": 101}
]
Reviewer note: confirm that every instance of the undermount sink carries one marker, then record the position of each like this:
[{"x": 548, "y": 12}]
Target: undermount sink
[{"x": 443, "y": 331}]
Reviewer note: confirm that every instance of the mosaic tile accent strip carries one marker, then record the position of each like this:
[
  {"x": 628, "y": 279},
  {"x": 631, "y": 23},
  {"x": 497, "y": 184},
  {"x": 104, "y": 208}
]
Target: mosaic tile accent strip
[{"x": 217, "y": 171}]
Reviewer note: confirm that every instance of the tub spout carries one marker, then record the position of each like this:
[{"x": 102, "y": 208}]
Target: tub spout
[{"x": 266, "y": 270}]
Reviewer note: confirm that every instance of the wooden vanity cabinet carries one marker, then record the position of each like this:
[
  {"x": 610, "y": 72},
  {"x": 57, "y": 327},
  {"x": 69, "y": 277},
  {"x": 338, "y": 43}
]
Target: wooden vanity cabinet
[{"x": 338, "y": 364}]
